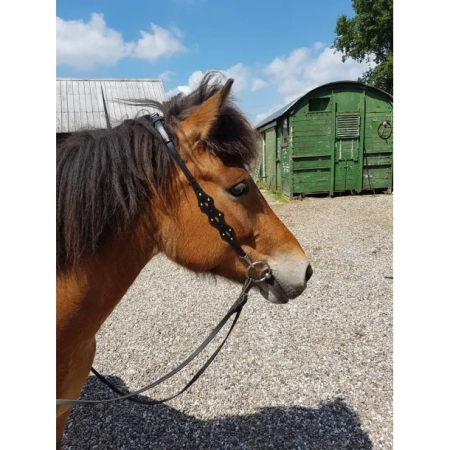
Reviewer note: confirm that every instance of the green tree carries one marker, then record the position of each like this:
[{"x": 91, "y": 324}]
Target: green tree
[{"x": 369, "y": 36}]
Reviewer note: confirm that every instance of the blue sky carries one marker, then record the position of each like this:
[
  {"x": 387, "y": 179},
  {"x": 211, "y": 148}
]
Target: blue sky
[{"x": 275, "y": 51}]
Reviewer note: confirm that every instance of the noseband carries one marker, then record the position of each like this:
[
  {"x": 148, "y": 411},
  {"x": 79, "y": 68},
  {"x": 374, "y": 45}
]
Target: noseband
[{"x": 256, "y": 272}]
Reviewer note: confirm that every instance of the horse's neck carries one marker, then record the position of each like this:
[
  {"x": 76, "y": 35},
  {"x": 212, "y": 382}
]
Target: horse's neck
[{"x": 87, "y": 296}]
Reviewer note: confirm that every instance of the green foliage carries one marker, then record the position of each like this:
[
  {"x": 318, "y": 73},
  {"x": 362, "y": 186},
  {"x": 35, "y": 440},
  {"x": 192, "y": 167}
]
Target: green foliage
[
  {"x": 277, "y": 196},
  {"x": 369, "y": 35}
]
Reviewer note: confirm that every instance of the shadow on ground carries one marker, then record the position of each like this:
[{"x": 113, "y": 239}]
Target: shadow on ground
[{"x": 129, "y": 426}]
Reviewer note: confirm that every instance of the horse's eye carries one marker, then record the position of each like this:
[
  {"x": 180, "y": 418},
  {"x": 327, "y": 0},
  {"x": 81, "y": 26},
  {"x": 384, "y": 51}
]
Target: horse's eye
[{"x": 239, "y": 189}]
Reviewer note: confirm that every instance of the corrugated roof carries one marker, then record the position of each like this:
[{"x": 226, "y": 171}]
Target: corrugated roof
[
  {"x": 333, "y": 84},
  {"x": 79, "y": 102}
]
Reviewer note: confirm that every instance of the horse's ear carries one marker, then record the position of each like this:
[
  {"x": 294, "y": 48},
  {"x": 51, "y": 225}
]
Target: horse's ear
[{"x": 199, "y": 124}]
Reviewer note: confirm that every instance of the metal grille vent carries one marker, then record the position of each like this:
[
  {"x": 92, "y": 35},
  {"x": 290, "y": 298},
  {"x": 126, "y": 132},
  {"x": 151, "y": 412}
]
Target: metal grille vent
[{"x": 347, "y": 126}]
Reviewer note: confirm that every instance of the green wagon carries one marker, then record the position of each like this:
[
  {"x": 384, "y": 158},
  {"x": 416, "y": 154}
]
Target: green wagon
[{"x": 336, "y": 138}]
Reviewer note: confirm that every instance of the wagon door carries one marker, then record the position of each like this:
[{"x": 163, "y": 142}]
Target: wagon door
[{"x": 347, "y": 170}]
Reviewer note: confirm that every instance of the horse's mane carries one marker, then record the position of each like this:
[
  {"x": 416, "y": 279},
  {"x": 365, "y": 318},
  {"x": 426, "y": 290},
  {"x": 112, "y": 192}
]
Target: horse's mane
[{"x": 104, "y": 176}]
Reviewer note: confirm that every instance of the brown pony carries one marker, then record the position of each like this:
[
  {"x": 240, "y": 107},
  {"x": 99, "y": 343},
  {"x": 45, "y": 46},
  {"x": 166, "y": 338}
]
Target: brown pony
[{"x": 121, "y": 200}]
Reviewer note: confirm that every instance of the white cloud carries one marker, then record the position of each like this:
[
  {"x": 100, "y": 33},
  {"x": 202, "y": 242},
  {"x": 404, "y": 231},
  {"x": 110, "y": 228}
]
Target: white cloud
[
  {"x": 270, "y": 111},
  {"x": 160, "y": 43},
  {"x": 302, "y": 71},
  {"x": 291, "y": 76},
  {"x": 193, "y": 81},
  {"x": 240, "y": 74},
  {"x": 166, "y": 76},
  {"x": 318, "y": 45},
  {"x": 291, "y": 65},
  {"x": 258, "y": 84},
  {"x": 83, "y": 45}
]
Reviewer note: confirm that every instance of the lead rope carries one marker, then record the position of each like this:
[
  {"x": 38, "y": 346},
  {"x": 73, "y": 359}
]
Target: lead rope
[{"x": 235, "y": 309}]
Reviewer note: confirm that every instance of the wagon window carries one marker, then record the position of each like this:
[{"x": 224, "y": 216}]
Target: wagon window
[
  {"x": 318, "y": 104},
  {"x": 285, "y": 132}
]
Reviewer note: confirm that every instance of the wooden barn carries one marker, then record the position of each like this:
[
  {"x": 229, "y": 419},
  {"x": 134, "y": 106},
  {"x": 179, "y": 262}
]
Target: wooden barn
[
  {"x": 336, "y": 138},
  {"x": 79, "y": 102}
]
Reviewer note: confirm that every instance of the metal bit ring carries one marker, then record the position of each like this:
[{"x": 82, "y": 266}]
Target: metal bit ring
[{"x": 258, "y": 274}]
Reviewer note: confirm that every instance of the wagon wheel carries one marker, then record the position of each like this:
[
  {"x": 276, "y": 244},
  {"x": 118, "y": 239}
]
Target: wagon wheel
[{"x": 385, "y": 129}]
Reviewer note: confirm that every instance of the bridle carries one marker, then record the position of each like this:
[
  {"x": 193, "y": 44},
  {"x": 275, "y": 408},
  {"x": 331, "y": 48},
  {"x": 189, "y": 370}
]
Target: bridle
[{"x": 256, "y": 272}]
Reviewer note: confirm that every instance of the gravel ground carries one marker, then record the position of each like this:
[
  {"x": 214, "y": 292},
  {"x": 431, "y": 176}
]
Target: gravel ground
[{"x": 314, "y": 374}]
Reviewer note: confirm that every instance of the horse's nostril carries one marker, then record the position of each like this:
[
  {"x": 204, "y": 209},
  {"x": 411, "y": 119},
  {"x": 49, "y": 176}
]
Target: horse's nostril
[{"x": 309, "y": 272}]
